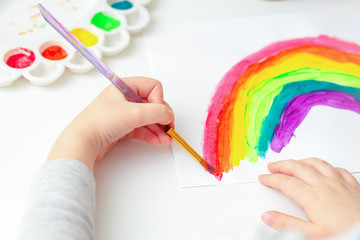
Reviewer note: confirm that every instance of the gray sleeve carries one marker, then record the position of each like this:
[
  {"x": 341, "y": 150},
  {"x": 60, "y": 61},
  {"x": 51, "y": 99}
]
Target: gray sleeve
[{"x": 61, "y": 203}]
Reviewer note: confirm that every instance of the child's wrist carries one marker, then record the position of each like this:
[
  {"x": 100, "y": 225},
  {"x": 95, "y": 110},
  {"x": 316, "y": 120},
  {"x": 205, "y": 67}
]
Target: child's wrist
[{"x": 76, "y": 142}]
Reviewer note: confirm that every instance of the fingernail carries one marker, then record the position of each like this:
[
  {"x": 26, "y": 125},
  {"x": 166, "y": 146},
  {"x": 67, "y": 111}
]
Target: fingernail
[
  {"x": 172, "y": 116},
  {"x": 267, "y": 218},
  {"x": 171, "y": 113}
]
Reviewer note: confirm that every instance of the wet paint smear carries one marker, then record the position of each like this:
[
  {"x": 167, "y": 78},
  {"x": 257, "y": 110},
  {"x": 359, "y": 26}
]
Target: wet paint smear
[
  {"x": 122, "y": 5},
  {"x": 21, "y": 58},
  {"x": 54, "y": 53},
  {"x": 261, "y": 101},
  {"x": 105, "y": 22},
  {"x": 86, "y": 37}
]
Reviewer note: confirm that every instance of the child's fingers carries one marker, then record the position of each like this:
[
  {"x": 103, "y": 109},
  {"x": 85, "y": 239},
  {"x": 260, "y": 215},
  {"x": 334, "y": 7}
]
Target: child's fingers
[
  {"x": 150, "y": 136},
  {"x": 143, "y": 114},
  {"x": 347, "y": 177},
  {"x": 290, "y": 186},
  {"x": 156, "y": 95},
  {"x": 147, "y": 88},
  {"x": 172, "y": 125},
  {"x": 284, "y": 222},
  {"x": 297, "y": 169},
  {"x": 144, "y": 134},
  {"x": 162, "y": 135},
  {"x": 167, "y": 105},
  {"x": 322, "y": 167}
]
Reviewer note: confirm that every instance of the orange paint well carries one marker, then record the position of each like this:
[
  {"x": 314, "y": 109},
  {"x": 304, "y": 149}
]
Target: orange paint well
[{"x": 54, "y": 53}]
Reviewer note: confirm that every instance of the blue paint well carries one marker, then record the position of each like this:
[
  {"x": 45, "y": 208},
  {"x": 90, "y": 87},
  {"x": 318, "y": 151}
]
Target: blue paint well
[{"x": 122, "y": 5}]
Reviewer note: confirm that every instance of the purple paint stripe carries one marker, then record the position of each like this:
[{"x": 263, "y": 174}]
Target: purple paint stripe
[
  {"x": 298, "y": 108},
  {"x": 229, "y": 80}
]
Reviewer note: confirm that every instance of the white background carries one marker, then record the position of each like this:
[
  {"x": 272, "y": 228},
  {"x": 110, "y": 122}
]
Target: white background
[{"x": 138, "y": 192}]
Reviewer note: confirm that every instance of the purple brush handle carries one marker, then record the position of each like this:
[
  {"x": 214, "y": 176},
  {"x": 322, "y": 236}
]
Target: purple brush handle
[
  {"x": 108, "y": 73},
  {"x": 125, "y": 89}
]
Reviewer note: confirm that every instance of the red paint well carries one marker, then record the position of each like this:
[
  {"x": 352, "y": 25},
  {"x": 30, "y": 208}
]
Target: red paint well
[
  {"x": 54, "y": 53},
  {"x": 21, "y": 58}
]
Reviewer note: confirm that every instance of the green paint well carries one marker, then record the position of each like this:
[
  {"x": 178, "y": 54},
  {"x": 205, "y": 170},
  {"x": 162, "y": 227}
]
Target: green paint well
[{"x": 105, "y": 22}]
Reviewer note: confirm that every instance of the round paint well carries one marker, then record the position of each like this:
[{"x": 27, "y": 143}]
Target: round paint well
[
  {"x": 54, "y": 50},
  {"x": 54, "y": 53},
  {"x": 105, "y": 21},
  {"x": 122, "y": 5},
  {"x": 19, "y": 58},
  {"x": 86, "y": 37}
]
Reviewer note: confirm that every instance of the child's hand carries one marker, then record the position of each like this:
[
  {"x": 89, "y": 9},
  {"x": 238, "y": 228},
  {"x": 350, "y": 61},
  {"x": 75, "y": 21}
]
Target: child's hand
[
  {"x": 111, "y": 118},
  {"x": 329, "y": 196}
]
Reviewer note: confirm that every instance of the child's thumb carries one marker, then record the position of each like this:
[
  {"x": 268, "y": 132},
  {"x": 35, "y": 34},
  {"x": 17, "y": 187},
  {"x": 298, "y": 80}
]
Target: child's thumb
[{"x": 142, "y": 114}]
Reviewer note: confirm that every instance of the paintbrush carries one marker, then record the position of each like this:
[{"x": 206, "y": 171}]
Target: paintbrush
[{"x": 120, "y": 84}]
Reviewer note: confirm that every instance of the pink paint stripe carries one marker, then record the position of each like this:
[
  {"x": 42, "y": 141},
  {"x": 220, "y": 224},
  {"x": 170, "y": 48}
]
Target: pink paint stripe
[{"x": 228, "y": 82}]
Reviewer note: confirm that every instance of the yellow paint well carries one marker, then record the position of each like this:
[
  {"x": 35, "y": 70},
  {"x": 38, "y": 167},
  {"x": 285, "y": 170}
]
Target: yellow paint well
[{"x": 87, "y": 38}]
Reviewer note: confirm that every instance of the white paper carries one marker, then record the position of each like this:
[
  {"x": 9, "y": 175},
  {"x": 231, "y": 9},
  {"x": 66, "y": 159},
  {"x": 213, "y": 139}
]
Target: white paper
[{"x": 190, "y": 59}]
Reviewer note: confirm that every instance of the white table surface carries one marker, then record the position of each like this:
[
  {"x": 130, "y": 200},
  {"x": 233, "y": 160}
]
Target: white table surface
[{"x": 138, "y": 193}]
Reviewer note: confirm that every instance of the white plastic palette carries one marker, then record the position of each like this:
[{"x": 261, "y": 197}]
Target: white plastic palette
[{"x": 26, "y": 36}]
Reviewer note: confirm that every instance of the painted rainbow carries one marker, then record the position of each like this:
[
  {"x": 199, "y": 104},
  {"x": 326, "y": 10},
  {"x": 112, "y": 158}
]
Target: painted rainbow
[{"x": 261, "y": 101}]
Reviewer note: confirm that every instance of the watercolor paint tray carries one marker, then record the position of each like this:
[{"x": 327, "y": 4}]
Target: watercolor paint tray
[{"x": 29, "y": 47}]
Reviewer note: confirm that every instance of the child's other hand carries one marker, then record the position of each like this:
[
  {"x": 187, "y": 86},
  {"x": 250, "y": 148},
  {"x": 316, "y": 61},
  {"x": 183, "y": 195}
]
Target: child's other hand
[
  {"x": 111, "y": 118},
  {"x": 329, "y": 196}
]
